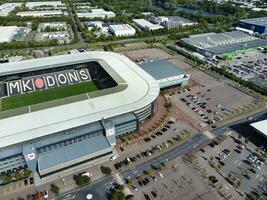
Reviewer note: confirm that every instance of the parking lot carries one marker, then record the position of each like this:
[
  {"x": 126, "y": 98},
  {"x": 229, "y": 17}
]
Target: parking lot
[
  {"x": 212, "y": 100},
  {"x": 241, "y": 166},
  {"x": 172, "y": 183},
  {"x": 249, "y": 65}
]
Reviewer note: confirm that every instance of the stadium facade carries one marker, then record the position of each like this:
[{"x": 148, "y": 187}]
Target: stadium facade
[
  {"x": 257, "y": 25},
  {"x": 56, "y": 138}
]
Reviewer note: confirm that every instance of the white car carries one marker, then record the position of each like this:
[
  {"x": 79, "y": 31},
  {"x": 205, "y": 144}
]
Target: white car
[
  {"x": 257, "y": 166},
  {"x": 113, "y": 158},
  {"x": 160, "y": 174}
]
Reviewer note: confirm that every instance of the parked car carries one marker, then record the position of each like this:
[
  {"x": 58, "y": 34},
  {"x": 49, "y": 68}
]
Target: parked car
[{"x": 154, "y": 194}]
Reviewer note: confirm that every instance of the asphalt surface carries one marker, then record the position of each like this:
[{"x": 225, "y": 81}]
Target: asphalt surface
[{"x": 99, "y": 188}]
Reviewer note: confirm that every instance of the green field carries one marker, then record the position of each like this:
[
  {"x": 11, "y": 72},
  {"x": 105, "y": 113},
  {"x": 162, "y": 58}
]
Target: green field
[{"x": 47, "y": 95}]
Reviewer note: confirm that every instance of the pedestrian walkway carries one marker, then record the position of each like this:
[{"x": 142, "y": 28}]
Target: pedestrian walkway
[{"x": 209, "y": 134}]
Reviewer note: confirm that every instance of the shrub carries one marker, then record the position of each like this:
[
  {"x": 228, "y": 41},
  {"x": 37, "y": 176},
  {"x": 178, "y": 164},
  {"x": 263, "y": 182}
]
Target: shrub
[
  {"x": 81, "y": 180},
  {"x": 105, "y": 170}
]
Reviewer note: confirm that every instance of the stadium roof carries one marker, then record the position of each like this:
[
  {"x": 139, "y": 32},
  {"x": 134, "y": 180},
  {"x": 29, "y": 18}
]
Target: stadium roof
[
  {"x": 139, "y": 90},
  {"x": 261, "y": 126},
  {"x": 261, "y": 21},
  {"x": 161, "y": 69}
]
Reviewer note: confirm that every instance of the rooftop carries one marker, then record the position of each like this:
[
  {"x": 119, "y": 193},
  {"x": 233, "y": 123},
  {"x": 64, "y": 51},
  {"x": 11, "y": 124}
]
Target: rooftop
[
  {"x": 161, "y": 69},
  {"x": 7, "y": 33},
  {"x": 261, "y": 21},
  {"x": 261, "y": 126}
]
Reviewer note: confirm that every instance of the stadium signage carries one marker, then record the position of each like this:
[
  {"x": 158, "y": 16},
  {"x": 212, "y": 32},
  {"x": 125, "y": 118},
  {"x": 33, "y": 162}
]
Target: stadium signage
[{"x": 47, "y": 81}]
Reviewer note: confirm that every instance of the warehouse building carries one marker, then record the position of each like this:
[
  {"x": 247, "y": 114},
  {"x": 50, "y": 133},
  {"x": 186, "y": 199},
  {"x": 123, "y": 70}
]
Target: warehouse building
[
  {"x": 41, "y": 13},
  {"x": 122, "y": 30},
  {"x": 10, "y": 33},
  {"x": 57, "y": 26},
  {"x": 63, "y": 37},
  {"x": 97, "y": 13},
  {"x": 219, "y": 44},
  {"x": 146, "y": 25},
  {"x": 170, "y": 22},
  {"x": 257, "y": 25},
  {"x": 54, "y": 4},
  {"x": 6, "y": 8}
]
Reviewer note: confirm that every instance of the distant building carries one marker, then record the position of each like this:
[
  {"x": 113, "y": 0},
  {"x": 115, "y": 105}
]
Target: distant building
[
  {"x": 219, "y": 44},
  {"x": 6, "y": 8},
  {"x": 146, "y": 25},
  {"x": 9, "y": 33},
  {"x": 46, "y": 13},
  {"x": 257, "y": 25},
  {"x": 122, "y": 30},
  {"x": 116, "y": 28},
  {"x": 63, "y": 37},
  {"x": 58, "y": 26},
  {"x": 170, "y": 22},
  {"x": 97, "y": 13},
  {"x": 32, "y": 5}
]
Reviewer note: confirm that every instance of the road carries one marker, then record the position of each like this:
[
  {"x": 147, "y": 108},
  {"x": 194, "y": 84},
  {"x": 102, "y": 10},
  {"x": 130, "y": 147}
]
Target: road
[{"x": 99, "y": 188}]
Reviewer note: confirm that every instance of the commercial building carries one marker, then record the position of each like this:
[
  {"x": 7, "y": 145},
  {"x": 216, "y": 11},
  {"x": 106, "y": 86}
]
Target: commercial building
[
  {"x": 257, "y": 25},
  {"x": 41, "y": 13},
  {"x": 166, "y": 73},
  {"x": 36, "y": 4},
  {"x": 63, "y": 37},
  {"x": 122, "y": 30},
  {"x": 261, "y": 127},
  {"x": 116, "y": 28},
  {"x": 56, "y": 26},
  {"x": 56, "y": 138},
  {"x": 9, "y": 33},
  {"x": 6, "y": 8},
  {"x": 97, "y": 13},
  {"x": 219, "y": 44},
  {"x": 146, "y": 25},
  {"x": 170, "y": 22}
]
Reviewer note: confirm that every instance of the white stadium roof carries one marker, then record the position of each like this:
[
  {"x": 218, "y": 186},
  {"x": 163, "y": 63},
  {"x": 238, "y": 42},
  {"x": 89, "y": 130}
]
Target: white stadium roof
[
  {"x": 141, "y": 90},
  {"x": 261, "y": 126}
]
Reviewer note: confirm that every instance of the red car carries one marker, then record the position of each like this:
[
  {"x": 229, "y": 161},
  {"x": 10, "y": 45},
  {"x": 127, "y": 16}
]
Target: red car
[
  {"x": 154, "y": 194},
  {"x": 208, "y": 99}
]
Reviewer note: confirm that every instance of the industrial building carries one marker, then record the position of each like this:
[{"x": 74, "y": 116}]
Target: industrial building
[
  {"x": 122, "y": 30},
  {"x": 170, "y": 22},
  {"x": 53, "y": 139},
  {"x": 6, "y": 8},
  {"x": 63, "y": 37},
  {"x": 146, "y": 25},
  {"x": 257, "y": 25},
  {"x": 32, "y": 5},
  {"x": 219, "y": 44},
  {"x": 10, "y": 33},
  {"x": 166, "y": 73},
  {"x": 97, "y": 13},
  {"x": 58, "y": 26},
  {"x": 40, "y": 13}
]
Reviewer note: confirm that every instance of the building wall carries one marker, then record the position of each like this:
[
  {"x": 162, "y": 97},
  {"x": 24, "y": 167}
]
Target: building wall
[{"x": 253, "y": 27}]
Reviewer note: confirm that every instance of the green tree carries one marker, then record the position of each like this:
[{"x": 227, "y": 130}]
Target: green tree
[
  {"x": 54, "y": 188},
  {"x": 105, "y": 170},
  {"x": 81, "y": 181}
]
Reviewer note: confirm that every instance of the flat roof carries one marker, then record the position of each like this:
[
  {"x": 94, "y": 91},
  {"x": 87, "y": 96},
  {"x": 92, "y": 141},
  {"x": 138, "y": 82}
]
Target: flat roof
[
  {"x": 7, "y": 33},
  {"x": 261, "y": 21},
  {"x": 161, "y": 69},
  {"x": 144, "y": 23},
  {"x": 261, "y": 126},
  {"x": 72, "y": 152},
  {"x": 140, "y": 90}
]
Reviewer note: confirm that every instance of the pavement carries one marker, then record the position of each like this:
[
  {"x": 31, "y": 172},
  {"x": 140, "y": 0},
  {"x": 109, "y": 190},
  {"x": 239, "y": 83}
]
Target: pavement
[{"x": 172, "y": 154}]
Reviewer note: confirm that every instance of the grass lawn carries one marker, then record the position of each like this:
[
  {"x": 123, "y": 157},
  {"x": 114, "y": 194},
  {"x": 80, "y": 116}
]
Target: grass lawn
[{"x": 47, "y": 95}]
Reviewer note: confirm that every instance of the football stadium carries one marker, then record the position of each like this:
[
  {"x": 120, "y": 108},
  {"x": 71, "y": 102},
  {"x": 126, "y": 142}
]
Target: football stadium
[{"x": 62, "y": 113}]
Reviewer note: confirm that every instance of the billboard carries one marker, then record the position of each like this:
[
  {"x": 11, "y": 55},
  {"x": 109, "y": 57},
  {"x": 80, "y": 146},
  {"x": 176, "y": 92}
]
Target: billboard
[{"x": 46, "y": 81}]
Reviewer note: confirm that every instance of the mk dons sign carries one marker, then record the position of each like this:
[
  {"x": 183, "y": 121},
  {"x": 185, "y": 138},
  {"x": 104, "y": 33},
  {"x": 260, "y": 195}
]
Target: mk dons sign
[{"x": 47, "y": 81}]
